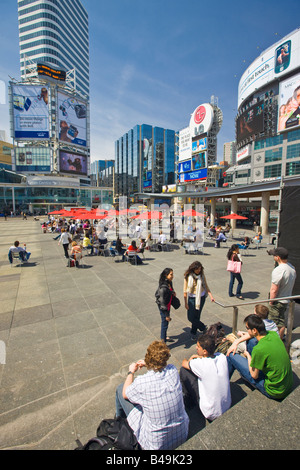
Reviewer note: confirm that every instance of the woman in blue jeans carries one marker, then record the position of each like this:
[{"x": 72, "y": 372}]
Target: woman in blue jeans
[
  {"x": 195, "y": 291},
  {"x": 233, "y": 255},
  {"x": 163, "y": 296}
]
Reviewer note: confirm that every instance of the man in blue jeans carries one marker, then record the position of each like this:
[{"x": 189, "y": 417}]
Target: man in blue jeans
[{"x": 267, "y": 364}]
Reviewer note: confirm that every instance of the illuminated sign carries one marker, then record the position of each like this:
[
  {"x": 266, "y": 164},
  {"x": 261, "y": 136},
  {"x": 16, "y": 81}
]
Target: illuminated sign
[
  {"x": 201, "y": 120},
  {"x": 51, "y": 72}
]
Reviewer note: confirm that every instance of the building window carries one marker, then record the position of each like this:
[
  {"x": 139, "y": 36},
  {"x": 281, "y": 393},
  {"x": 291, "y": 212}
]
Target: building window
[
  {"x": 272, "y": 171},
  {"x": 293, "y": 151},
  {"x": 273, "y": 155},
  {"x": 293, "y": 135},
  {"x": 292, "y": 168}
]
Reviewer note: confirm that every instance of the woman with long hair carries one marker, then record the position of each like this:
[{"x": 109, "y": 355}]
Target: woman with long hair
[
  {"x": 234, "y": 255},
  {"x": 195, "y": 291},
  {"x": 163, "y": 296}
]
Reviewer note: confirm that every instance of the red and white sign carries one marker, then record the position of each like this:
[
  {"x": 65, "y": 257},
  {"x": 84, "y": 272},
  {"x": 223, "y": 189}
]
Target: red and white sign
[{"x": 201, "y": 120}]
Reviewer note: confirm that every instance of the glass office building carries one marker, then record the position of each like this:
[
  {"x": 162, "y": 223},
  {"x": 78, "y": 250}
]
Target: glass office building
[
  {"x": 57, "y": 32},
  {"x": 144, "y": 160}
]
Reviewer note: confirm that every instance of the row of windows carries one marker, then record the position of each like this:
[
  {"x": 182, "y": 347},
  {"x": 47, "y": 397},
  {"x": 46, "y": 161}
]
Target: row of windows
[
  {"x": 277, "y": 140},
  {"x": 80, "y": 51},
  {"x": 45, "y": 6},
  {"x": 55, "y": 2},
  {"x": 60, "y": 46},
  {"x": 273, "y": 155},
  {"x": 81, "y": 46}
]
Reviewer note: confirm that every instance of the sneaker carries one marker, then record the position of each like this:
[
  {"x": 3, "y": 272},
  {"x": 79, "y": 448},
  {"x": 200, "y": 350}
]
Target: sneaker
[{"x": 193, "y": 337}]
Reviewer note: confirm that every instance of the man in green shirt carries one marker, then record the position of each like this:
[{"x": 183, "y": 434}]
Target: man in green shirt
[{"x": 267, "y": 364}]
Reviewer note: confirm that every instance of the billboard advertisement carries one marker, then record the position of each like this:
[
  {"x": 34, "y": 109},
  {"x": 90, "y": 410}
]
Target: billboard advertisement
[
  {"x": 72, "y": 115},
  {"x": 30, "y": 105},
  {"x": 193, "y": 176},
  {"x": 185, "y": 144},
  {"x": 279, "y": 59},
  {"x": 250, "y": 122},
  {"x": 201, "y": 120},
  {"x": 199, "y": 161},
  {"x": 184, "y": 166},
  {"x": 33, "y": 159},
  {"x": 199, "y": 145},
  {"x": 73, "y": 163},
  {"x": 289, "y": 104}
]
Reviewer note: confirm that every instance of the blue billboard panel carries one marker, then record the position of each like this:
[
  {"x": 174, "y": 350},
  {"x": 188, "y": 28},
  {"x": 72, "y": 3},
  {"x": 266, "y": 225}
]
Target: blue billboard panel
[
  {"x": 184, "y": 166},
  {"x": 193, "y": 176},
  {"x": 30, "y": 111}
]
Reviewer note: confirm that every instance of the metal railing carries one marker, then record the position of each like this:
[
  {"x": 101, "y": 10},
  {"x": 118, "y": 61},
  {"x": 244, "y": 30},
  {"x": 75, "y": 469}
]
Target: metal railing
[{"x": 290, "y": 317}]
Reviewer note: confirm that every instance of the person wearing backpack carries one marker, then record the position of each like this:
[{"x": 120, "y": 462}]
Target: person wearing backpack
[{"x": 153, "y": 402}]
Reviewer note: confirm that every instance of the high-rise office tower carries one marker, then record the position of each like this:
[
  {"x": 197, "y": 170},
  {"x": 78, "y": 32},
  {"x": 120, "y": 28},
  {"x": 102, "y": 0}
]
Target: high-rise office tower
[{"x": 57, "y": 32}]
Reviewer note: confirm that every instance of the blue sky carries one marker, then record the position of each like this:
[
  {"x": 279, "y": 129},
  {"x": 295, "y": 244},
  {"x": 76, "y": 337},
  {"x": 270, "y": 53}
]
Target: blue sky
[{"x": 155, "y": 61}]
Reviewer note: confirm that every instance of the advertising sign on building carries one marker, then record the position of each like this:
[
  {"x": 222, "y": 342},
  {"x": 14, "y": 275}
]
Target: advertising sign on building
[
  {"x": 279, "y": 59},
  {"x": 243, "y": 153},
  {"x": 72, "y": 115},
  {"x": 199, "y": 145},
  {"x": 201, "y": 120},
  {"x": 185, "y": 144},
  {"x": 289, "y": 104},
  {"x": 73, "y": 163},
  {"x": 193, "y": 176},
  {"x": 30, "y": 111}
]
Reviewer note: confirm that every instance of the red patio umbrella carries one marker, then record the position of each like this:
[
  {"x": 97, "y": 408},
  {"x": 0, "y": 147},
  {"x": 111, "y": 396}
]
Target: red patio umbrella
[
  {"x": 191, "y": 213},
  {"x": 234, "y": 217}
]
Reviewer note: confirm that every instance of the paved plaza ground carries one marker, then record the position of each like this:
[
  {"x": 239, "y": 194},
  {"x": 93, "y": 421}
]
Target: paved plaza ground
[{"x": 70, "y": 334}]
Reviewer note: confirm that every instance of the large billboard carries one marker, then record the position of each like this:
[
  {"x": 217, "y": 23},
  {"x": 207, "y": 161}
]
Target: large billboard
[
  {"x": 250, "y": 122},
  {"x": 33, "y": 159},
  {"x": 30, "y": 105},
  {"x": 193, "y": 176},
  {"x": 278, "y": 60},
  {"x": 201, "y": 120},
  {"x": 72, "y": 115},
  {"x": 72, "y": 163},
  {"x": 185, "y": 144},
  {"x": 289, "y": 104}
]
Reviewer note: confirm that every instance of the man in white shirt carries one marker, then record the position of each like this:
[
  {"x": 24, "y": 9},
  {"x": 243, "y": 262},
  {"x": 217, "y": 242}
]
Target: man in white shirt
[
  {"x": 283, "y": 280},
  {"x": 205, "y": 379}
]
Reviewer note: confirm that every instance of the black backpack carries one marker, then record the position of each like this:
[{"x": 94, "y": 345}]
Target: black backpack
[{"x": 112, "y": 434}]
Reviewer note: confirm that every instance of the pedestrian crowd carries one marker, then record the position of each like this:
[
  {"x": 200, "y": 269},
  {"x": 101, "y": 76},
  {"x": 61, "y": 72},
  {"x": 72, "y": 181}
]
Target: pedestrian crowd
[{"x": 156, "y": 403}]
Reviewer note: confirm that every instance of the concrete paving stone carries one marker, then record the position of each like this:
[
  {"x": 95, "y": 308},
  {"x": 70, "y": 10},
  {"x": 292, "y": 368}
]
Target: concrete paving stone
[
  {"x": 69, "y": 307},
  {"x": 75, "y": 323},
  {"x": 83, "y": 345},
  {"x": 28, "y": 300},
  {"x": 31, "y": 315},
  {"x": 112, "y": 314},
  {"x": 125, "y": 332},
  {"x": 95, "y": 367},
  {"x": 65, "y": 294}
]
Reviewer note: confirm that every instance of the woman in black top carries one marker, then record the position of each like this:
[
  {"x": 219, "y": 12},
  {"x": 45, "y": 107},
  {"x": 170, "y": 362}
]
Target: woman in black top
[{"x": 163, "y": 299}]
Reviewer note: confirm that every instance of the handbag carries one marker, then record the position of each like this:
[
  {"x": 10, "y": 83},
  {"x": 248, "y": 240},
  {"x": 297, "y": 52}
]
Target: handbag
[
  {"x": 175, "y": 302},
  {"x": 234, "y": 266}
]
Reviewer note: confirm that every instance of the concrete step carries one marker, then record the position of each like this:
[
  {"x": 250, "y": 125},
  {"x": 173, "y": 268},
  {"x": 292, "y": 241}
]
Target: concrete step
[{"x": 254, "y": 423}]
